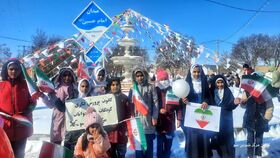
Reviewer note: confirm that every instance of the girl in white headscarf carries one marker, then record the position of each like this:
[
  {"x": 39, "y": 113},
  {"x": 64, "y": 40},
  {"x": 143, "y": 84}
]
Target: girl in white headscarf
[
  {"x": 99, "y": 80},
  {"x": 223, "y": 141},
  {"x": 197, "y": 141}
]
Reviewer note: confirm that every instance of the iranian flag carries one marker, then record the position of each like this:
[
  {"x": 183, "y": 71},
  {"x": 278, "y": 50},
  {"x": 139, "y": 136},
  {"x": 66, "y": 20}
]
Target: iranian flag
[
  {"x": 18, "y": 118},
  {"x": 136, "y": 134},
  {"x": 82, "y": 71},
  {"x": 43, "y": 81},
  {"x": 51, "y": 150},
  {"x": 171, "y": 98},
  {"x": 138, "y": 101},
  {"x": 202, "y": 120},
  {"x": 32, "y": 88},
  {"x": 254, "y": 84},
  {"x": 267, "y": 94}
]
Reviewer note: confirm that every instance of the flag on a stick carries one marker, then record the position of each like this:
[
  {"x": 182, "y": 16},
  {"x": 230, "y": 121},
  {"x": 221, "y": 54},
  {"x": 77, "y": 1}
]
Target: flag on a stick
[
  {"x": 32, "y": 88},
  {"x": 51, "y": 150},
  {"x": 136, "y": 134},
  {"x": 258, "y": 87},
  {"x": 138, "y": 101},
  {"x": 43, "y": 81},
  {"x": 267, "y": 94},
  {"x": 254, "y": 84},
  {"x": 82, "y": 71},
  {"x": 171, "y": 98},
  {"x": 18, "y": 118}
]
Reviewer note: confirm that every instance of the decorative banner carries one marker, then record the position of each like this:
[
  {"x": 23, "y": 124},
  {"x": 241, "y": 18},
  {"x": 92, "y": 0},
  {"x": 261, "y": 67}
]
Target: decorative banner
[
  {"x": 208, "y": 119},
  {"x": 93, "y": 54},
  {"x": 93, "y": 22},
  {"x": 105, "y": 105}
]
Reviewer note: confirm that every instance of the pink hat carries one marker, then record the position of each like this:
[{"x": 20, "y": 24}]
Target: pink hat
[
  {"x": 162, "y": 75},
  {"x": 92, "y": 117}
]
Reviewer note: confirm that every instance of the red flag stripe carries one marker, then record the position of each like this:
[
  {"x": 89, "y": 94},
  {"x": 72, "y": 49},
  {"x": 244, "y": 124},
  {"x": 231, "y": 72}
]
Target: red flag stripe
[{"x": 130, "y": 135}]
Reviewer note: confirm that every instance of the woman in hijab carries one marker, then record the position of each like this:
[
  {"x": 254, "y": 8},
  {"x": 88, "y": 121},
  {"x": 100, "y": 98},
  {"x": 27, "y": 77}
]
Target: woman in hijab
[
  {"x": 15, "y": 100},
  {"x": 221, "y": 96},
  {"x": 99, "y": 80},
  {"x": 197, "y": 141}
]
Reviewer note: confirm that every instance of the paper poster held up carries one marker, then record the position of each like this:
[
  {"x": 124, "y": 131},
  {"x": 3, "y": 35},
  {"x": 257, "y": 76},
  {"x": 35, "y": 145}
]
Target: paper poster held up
[{"x": 208, "y": 119}]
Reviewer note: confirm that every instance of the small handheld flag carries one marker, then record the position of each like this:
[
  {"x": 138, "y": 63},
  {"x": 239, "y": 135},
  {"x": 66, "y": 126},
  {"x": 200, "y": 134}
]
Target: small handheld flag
[
  {"x": 18, "y": 118},
  {"x": 32, "y": 88},
  {"x": 43, "y": 81}
]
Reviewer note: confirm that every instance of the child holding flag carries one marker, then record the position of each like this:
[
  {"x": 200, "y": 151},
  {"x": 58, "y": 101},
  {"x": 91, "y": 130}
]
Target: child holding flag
[
  {"x": 15, "y": 100},
  {"x": 256, "y": 117},
  {"x": 65, "y": 89},
  {"x": 145, "y": 103},
  {"x": 94, "y": 143},
  {"x": 169, "y": 106}
]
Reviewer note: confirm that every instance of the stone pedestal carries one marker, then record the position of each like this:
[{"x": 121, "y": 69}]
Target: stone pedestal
[{"x": 126, "y": 87}]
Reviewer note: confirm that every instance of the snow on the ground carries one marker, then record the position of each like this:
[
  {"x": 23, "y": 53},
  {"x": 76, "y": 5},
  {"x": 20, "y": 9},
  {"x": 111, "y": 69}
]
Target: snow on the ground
[{"x": 271, "y": 148}]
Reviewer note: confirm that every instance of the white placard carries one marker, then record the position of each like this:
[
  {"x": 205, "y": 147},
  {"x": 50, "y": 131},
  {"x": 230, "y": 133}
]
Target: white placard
[
  {"x": 208, "y": 119},
  {"x": 105, "y": 105}
]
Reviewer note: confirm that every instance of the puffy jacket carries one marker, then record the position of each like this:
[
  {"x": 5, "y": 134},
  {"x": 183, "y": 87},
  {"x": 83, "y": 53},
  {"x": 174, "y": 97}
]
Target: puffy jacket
[
  {"x": 97, "y": 149},
  {"x": 15, "y": 99}
]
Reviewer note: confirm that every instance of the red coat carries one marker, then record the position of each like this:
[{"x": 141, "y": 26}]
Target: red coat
[{"x": 14, "y": 100}]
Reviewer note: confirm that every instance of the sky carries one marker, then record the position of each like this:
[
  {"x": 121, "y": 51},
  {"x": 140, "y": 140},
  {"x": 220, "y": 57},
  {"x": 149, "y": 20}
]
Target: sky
[{"x": 207, "y": 21}]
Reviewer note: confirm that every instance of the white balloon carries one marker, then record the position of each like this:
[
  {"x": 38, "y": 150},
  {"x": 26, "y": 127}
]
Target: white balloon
[{"x": 180, "y": 88}]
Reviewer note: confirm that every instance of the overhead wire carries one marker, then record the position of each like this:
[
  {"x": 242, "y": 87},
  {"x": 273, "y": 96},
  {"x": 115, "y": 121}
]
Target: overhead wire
[
  {"x": 247, "y": 22},
  {"x": 242, "y": 9}
]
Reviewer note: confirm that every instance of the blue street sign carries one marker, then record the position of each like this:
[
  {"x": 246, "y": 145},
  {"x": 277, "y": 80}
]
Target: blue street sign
[
  {"x": 93, "y": 54},
  {"x": 93, "y": 22}
]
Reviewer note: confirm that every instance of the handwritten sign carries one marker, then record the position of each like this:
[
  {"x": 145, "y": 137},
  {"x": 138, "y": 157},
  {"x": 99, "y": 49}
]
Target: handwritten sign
[
  {"x": 75, "y": 113},
  {"x": 208, "y": 119},
  {"x": 93, "y": 22}
]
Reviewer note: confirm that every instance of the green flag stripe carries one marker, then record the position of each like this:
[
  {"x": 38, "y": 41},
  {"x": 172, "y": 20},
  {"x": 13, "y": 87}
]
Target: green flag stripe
[
  {"x": 259, "y": 79},
  {"x": 142, "y": 135}
]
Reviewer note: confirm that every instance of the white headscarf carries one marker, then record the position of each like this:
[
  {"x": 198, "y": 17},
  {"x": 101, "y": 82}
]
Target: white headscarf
[
  {"x": 197, "y": 85},
  {"x": 95, "y": 75},
  {"x": 220, "y": 92},
  {"x": 81, "y": 94}
]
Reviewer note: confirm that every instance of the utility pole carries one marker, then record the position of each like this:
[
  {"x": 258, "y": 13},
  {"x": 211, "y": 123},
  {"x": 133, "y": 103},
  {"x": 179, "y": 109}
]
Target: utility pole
[
  {"x": 217, "y": 55},
  {"x": 24, "y": 51}
]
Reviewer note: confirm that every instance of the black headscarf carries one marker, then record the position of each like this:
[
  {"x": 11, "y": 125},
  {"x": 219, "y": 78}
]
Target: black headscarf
[
  {"x": 227, "y": 97},
  {"x": 204, "y": 84}
]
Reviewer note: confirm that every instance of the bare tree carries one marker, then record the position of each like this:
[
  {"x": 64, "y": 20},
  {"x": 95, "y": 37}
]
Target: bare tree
[
  {"x": 273, "y": 58},
  {"x": 5, "y": 54},
  {"x": 54, "y": 39},
  {"x": 173, "y": 52},
  {"x": 251, "y": 49},
  {"x": 39, "y": 40}
]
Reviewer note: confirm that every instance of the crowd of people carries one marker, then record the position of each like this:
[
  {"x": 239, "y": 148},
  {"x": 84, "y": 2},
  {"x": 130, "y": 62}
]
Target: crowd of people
[{"x": 165, "y": 112}]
